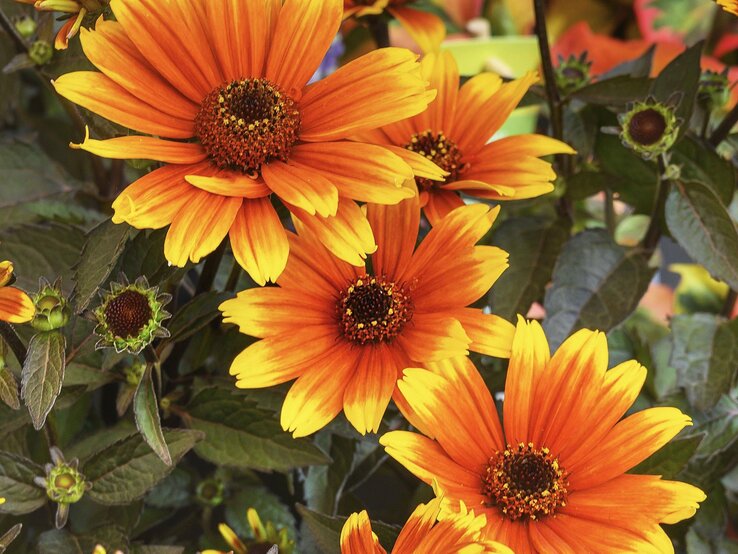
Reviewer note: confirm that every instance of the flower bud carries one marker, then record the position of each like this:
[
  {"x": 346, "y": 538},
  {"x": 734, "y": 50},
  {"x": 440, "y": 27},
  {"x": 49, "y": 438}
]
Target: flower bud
[
  {"x": 210, "y": 492},
  {"x": 714, "y": 89},
  {"x": 52, "y": 311},
  {"x": 26, "y": 27},
  {"x": 650, "y": 128},
  {"x": 40, "y": 52},
  {"x": 573, "y": 73}
]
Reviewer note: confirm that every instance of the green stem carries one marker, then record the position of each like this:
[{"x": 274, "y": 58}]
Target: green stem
[
  {"x": 726, "y": 125},
  {"x": 210, "y": 269},
  {"x": 609, "y": 212},
  {"x": 653, "y": 234},
  {"x": 11, "y": 338},
  {"x": 233, "y": 277},
  {"x": 379, "y": 28}
]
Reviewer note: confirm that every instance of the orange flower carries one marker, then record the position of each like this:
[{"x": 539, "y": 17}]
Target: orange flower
[
  {"x": 422, "y": 534},
  {"x": 15, "y": 305},
  {"x": 233, "y": 75},
  {"x": 426, "y": 29},
  {"x": 454, "y": 132},
  {"x": 346, "y": 333},
  {"x": 730, "y": 6},
  {"x": 552, "y": 477}
]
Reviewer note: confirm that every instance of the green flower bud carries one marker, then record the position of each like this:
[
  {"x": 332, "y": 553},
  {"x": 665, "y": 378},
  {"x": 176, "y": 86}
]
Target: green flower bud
[
  {"x": 65, "y": 485},
  {"x": 134, "y": 372},
  {"x": 52, "y": 311},
  {"x": 26, "y": 27},
  {"x": 714, "y": 89},
  {"x": 41, "y": 52},
  {"x": 211, "y": 492},
  {"x": 573, "y": 73},
  {"x": 650, "y": 128}
]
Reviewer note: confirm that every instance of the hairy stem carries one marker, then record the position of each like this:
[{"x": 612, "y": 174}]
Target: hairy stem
[{"x": 11, "y": 338}]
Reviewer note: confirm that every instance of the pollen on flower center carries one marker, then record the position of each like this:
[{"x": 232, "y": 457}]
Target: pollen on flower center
[
  {"x": 647, "y": 126},
  {"x": 440, "y": 150},
  {"x": 247, "y": 123},
  {"x": 372, "y": 310},
  {"x": 525, "y": 482},
  {"x": 128, "y": 313}
]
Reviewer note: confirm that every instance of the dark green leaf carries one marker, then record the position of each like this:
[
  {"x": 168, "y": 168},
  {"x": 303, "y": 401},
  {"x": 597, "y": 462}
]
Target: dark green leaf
[
  {"x": 146, "y": 412},
  {"x": 21, "y": 495},
  {"x": 596, "y": 285},
  {"x": 143, "y": 549},
  {"x": 99, "y": 441},
  {"x": 58, "y": 541},
  {"x": 9, "y": 84},
  {"x": 670, "y": 459},
  {"x": 705, "y": 354},
  {"x": 533, "y": 244},
  {"x": 584, "y": 184},
  {"x": 267, "y": 505},
  {"x": 324, "y": 484},
  {"x": 128, "y": 469},
  {"x": 43, "y": 373},
  {"x": 144, "y": 256},
  {"x": 9, "y": 388},
  {"x": 638, "y": 67},
  {"x": 103, "y": 246},
  {"x": 701, "y": 163},
  {"x": 701, "y": 224},
  {"x": 196, "y": 314},
  {"x": 79, "y": 374},
  {"x": 239, "y": 434},
  {"x": 616, "y": 91},
  {"x": 175, "y": 491}
]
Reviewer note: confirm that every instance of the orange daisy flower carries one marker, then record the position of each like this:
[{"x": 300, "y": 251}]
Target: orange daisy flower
[
  {"x": 15, "y": 305},
  {"x": 423, "y": 534},
  {"x": 552, "y": 477},
  {"x": 346, "y": 333},
  {"x": 425, "y": 28},
  {"x": 730, "y": 6},
  {"x": 454, "y": 133},
  {"x": 224, "y": 82}
]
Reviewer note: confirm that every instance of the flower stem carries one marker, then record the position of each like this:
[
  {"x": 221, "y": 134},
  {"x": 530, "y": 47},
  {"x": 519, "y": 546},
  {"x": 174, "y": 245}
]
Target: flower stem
[
  {"x": 210, "y": 269},
  {"x": 379, "y": 28},
  {"x": 653, "y": 233},
  {"x": 11, "y": 338},
  {"x": 723, "y": 130},
  {"x": 232, "y": 282}
]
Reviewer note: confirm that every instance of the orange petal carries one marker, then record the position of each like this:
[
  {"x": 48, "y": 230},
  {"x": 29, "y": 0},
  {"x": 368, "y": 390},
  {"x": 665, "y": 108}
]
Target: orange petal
[
  {"x": 357, "y": 536},
  {"x": 433, "y": 337},
  {"x": 426, "y": 29},
  {"x": 421, "y": 166},
  {"x": 304, "y": 32},
  {"x": 347, "y": 235},
  {"x": 148, "y": 148},
  {"x": 368, "y": 394},
  {"x": 94, "y": 91},
  {"x": 259, "y": 240},
  {"x": 378, "y": 88},
  {"x": 396, "y": 230},
  {"x": 15, "y": 305},
  {"x": 112, "y": 52},
  {"x": 440, "y": 204},
  {"x": 490, "y": 335},
  {"x": 298, "y": 185},
  {"x": 363, "y": 172},
  {"x": 228, "y": 183},
  {"x": 442, "y": 73},
  {"x": 199, "y": 227}
]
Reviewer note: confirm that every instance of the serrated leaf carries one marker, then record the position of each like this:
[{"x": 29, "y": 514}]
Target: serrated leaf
[
  {"x": 100, "y": 440},
  {"x": 669, "y": 460},
  {"x": 326, "y": 530},
  {"x": 42, "y": 375},
  {"x": 21, "y": 495},
  {"x": 238, "y": 434},
  {"x": 9, "y": 388},
  {"x": 705, "y": 355},
  {"x": 196, "y": 314},
  {"x": 596, "y": 285},
  {"x": 9, "y": 536},
  {"x": 533, "y": 244},
  {"x": 103, "y": 246},
  {"x": 146, "y": 413},
  {"x": 700, "y": 223},
  {"x": 128, "y": 469}
]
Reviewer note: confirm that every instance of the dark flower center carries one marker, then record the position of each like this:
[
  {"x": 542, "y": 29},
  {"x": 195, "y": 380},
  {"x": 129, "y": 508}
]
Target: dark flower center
[
  {"x": 373, "y": 310},
  {"x": 246, "y": 124},
  {"x": 440, "y": 150},
  {"x": 128, "y": 313},
  {"x": 647, "y": 126},
  {"x": 525, "y": 482}
]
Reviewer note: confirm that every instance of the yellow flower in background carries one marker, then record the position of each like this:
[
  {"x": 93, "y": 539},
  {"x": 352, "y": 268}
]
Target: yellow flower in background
[
  {"x": 730, "y": 6},
  {"x": 454, "y": 133},
  {"x": 232, "y": 75},
  {"x": 552, "y": 477},
  {"x": 423, "y": 533},
  {"x": 346, "y": 333},
  {"x": 15, "y": 305},
  {"x": 697, "y": 290},
  {"x": 77, "y": 10},
  {"x": 425, "y": 28},
  {"x": 265, "y": 536}
]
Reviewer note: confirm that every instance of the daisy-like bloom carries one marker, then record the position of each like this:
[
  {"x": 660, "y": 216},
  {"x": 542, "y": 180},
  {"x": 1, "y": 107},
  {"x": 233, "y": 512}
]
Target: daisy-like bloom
[
  {"x": 224, "y": 84},
  {"x": 425, "y": 28},
  {"x": 552, "y": 477},
  {"x": 423, "y": 533},
  {"x": 77, "y": 10},
  {"x": 454, "y": 132},
  {"x": 730, "y": 6},
  {"x": 15, "y": 305},
  {"x": 346, "y": 333}
]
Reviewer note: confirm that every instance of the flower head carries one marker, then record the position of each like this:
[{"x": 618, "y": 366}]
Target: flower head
[
  {"x": 424, "y": 532},
  {"x": 730, "y": 6},
  {"x": 76, "y": 12},
  {"x": 573, "y": 72},
  {"x": 64, "y": 484},
  {"x": 240, "y": 125},
  {"x": 346, "y": 333},
  {"x": 650, "y": 128},
  {"x": 267, "y": 539},
  {"x": 453, "y": 134},
  {"x": 130, "y": 316},
  {"x": 552, "y": 477},
  {"x": 52, "y": 308},
  {"x": 15, "y": 305}
]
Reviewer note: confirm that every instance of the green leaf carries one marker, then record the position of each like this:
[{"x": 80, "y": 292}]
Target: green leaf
[
  {"x": 701, "y": 163},
  {"x": 79, "y": 374},
  {"x": 57, "y": 541},
  {"x": 41, "y": 250},
  {"x": 239, "y": 434},
  {"x": 9, "y": 536},
  {"x": 533, "y": 244},
  {"x": 596, "y": 285},
  {"x": 326, "y": 530},
  {"x": 157, "y": 549},
  {"x": 100, "y": 441},
  {"x": 21, "y": 495},
  {"x": 128, "y": 469},
  {"x": 669, "y": 460},
  {"x": 103, "y": 247},
  {"x": 175, "y": 491},
  {"x": 615, "y": 91},
  {"x": 9, "y": 388},
  {"x": 705, "y": 354},
  {"x": 267, "y": 505},
  {"x": 196, "y": 314},
  {"x": 638, "y": 67},
  {"x": 144, "y": 255},
  {"x": 43, "y": 373},
  {"x": 146, "y": 412},
  {"x": 701, "y": 224}
]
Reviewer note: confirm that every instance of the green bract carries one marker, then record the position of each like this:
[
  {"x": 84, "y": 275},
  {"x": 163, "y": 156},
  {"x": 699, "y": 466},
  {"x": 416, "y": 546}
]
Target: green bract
[{"x": 52, "y": 311}]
